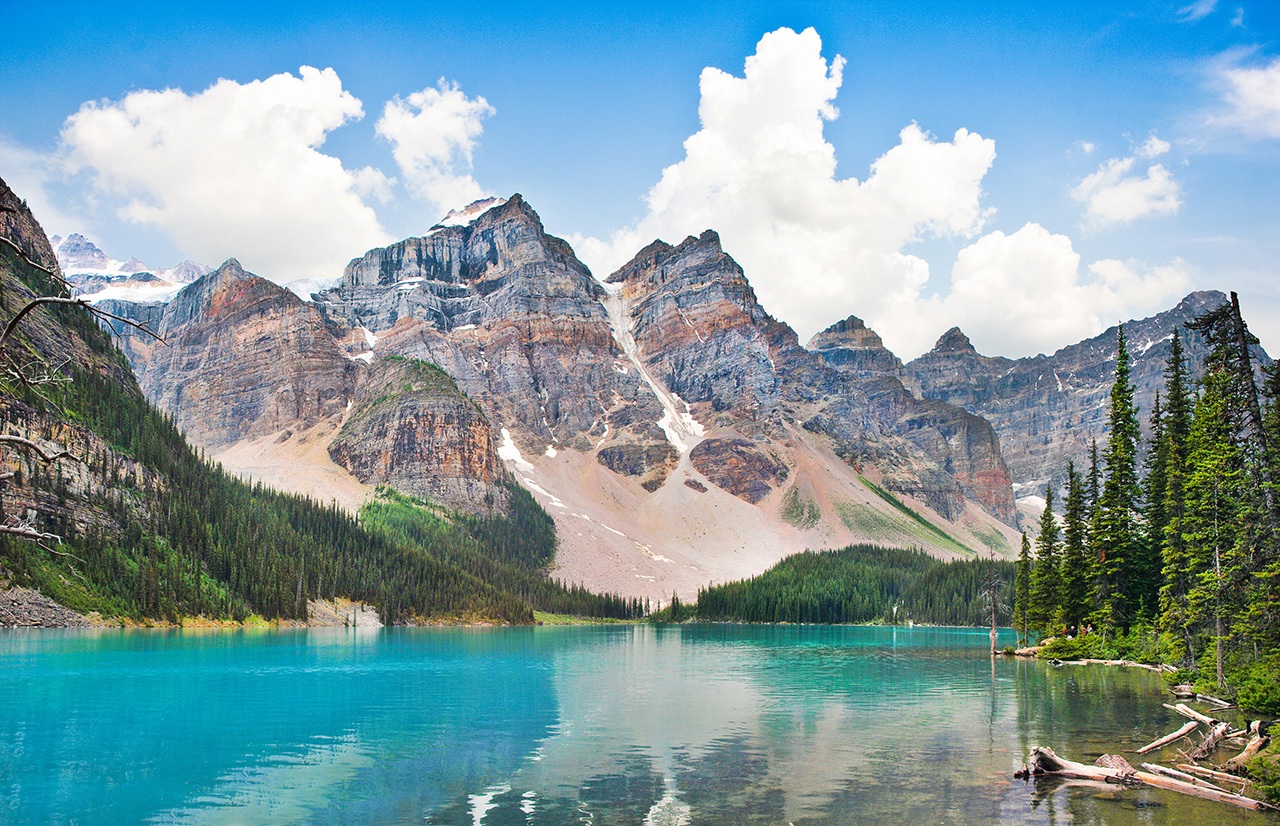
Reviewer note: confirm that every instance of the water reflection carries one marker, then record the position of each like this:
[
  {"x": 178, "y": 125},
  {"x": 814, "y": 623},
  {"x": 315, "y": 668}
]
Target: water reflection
[{"x": 625, "y": 725}]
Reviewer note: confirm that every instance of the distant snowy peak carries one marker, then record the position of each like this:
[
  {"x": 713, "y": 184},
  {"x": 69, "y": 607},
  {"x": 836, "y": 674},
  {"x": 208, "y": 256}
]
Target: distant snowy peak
[
  {"x": 184, "y": 273},
  {"x": 99, "y": 278},
  {"x": 305, "y": 288},
  {"x": 470, "y": 212},
  {"x": 77, "y": 253}
]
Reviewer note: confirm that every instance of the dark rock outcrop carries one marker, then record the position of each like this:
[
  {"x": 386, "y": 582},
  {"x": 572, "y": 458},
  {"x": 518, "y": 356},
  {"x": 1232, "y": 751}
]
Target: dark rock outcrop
[
  {"x": 851, "y": 346},
  {"x": 739, "y": 466}
]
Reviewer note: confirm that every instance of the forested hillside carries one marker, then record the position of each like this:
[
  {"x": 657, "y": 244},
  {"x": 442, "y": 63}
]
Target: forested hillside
[{"x": 860, "y": 583}]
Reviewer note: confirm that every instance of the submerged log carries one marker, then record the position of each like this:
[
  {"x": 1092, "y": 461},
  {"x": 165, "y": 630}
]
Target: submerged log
[
  {"x": 1181, "y": 775},
  {"x": 1045, "y": 762},
  {"x": 1221, "y": 777},
  {"x": 1169, "y": 738}
]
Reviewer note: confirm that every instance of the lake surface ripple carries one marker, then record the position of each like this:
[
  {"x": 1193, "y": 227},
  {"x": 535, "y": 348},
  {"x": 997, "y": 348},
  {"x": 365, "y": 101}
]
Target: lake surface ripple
[{"x": 592, "y": 725}]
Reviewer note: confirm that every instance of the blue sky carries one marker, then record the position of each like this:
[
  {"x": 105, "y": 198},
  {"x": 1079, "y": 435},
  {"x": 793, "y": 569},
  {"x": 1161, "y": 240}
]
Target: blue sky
[{"x": 1113, "y": 156}]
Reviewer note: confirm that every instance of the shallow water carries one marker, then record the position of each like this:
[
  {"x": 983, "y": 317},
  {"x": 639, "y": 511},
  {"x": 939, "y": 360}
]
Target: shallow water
[{"x": 602, "y": 725}]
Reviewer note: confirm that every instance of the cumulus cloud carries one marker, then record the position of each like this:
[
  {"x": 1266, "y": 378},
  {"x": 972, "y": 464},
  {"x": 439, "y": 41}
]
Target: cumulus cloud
[
  {"x": 1025, "y": 292},
  {"x": 760, "y": 172},
  {"x": 235, "y": 170},
  {"x": 433, "y": 135},
  {"x": 1252, "y": 94},
  {"x": 816, "y": 247},
  {"x": 1115, "y": 194}
]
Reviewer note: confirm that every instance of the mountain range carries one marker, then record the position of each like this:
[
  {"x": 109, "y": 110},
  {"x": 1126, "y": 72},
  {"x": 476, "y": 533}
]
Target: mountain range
[{"x": 678, "y": 433}]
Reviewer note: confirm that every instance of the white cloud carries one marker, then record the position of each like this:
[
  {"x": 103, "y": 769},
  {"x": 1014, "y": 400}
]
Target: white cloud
[
  {"x": 1253, "y": 97},
  {"x": 28, "y": 174},
  {"x": 1197, "y": 10},
  {"x": 1238, "y": 20},
  {"x": 1153, "y": 148},
  {"x": 235, "y": 170},
  {"x": 760, "y": 172},
  {"x": 433, "y": 135},
  {"x": 1024, "y": 293},
  {"x": 1115, "y": 195}
]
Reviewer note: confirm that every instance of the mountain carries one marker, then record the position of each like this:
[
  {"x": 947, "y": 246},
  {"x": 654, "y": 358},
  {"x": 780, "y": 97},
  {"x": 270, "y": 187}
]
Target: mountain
[
  {"x": 677, "y": 433},
  {"x": 1048, "y": 409},
  {"x": 98, "y": 277}
]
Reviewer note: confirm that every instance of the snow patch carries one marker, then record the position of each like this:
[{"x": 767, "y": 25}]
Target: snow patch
[
  {"x": 367, "y": 358},
  {"x": 511, "y": 453},
  {"x": 1144, "y": 348},
  {"x": 470, "y": 212},
  {"x": 677, "y": 422},
  {"x": 369, "y": 337},
  {"x": 1058, "y": 379},
  {"x": 137, "y": 294},
  {"x": 551, "y": 452}
]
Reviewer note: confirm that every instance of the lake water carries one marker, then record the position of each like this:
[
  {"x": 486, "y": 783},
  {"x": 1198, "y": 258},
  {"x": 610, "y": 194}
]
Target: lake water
[{"x": 591, "y": 725}]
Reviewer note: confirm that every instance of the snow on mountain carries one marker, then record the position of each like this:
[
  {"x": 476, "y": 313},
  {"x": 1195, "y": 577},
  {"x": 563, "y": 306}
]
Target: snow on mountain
[
  {"x": 100, "y": 278},
  {"x": 464, "y": 216}
]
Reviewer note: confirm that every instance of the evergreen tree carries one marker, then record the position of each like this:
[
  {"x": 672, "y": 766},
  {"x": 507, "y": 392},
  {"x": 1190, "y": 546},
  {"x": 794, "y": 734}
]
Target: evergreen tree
[
  {"x": 1074, "y": 569},
  {"x": 1044, "y": 577},
  {"x": 1022, "y": 590},
  {"x": 1147, "y": 567},
  {"x": 1176, "y": 432},
  {"x": 1211, "y": 527},
  {"x": 1116, "y": 586}
]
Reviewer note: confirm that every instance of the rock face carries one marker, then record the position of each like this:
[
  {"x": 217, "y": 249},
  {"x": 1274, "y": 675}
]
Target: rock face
[
  {"x": 1048, "y": 409},
  {"x": 245, "y": 358},
  {"x": 852, "y": 347},
  {"x": 703, "y": 334},
  {"x": 413, "y": 429},
  {"x": 520, "y": 324},
  {"x": 739, "y": 466}
]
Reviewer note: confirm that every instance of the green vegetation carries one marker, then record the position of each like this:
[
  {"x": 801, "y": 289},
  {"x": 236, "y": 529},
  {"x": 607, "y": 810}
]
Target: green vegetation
[
  {"x": 935, "y": 533},
  {"x": 798, "y": 511},
  {"x": 1182, "y": 563},
  {"x": 860, "y": 583}
]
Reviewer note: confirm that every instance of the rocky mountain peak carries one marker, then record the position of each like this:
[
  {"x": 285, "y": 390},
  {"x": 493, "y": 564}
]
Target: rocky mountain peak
[
  {"x": 954, "y": 340},
  {"x": 77, "y": 252},
  {"x": 851, "y": 346}
]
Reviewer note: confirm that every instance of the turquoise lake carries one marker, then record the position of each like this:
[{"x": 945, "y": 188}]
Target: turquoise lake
[{"x": 591, "y": 725}]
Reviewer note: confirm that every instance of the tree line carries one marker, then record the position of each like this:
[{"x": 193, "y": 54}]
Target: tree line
[
  {"x": 855, "y": 584},
  {"x": 1174, "y": 557}
]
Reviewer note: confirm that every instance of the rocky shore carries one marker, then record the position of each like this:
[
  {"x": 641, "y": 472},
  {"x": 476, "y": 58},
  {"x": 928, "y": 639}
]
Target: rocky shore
[{"x": 26, "y": 608}]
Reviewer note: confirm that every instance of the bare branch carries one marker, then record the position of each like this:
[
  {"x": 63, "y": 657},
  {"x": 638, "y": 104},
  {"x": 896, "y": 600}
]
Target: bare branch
[
  {"x": 35, "y": 448},
  {"x": 31, "y": 305},
  {"x": 23, "y": 253},
  {"x": 140, "y": 326},
  {"x": 25, "y": 530}
]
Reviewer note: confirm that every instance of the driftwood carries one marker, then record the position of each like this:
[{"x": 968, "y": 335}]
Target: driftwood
[
  {"x": 1187, "y": 711},
  {"x": 1181, "y": 775},
  {"x": 1221, "y": 777},
  {"x": 1045, "y": 762},
  {"x": 1211, "y": 742},
  {"x": 1256, "y": 744},
  {"x": 1169, "y": 738}
]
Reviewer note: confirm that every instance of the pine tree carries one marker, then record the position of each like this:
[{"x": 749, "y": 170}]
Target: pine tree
[
  {"x": 1115, "y": 585},
  {"x": 1022, "y": 590},
  {"x": 1148, "y": 567},
  {"x": 1175, "y": 618},
  {"x": 1074, "y": 568},
  {"x": 1044, "y": 577}
]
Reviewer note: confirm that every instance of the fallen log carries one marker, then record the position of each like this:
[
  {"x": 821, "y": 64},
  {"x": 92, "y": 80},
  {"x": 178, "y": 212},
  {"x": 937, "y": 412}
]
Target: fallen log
[
  {"x": 1169, "y": 738},
  {"x": 1181, "y": 775},
  {"x": 1187, "y": 711},
  {"x": 1256, "y": 744},
  {"x": 1210, "y": 743},
  {"x": 1045, "y": 762},
  {"x": 1221, "y": 777}
]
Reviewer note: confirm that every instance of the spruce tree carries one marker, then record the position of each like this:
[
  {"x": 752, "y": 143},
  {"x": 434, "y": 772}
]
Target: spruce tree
[
  {"x": 1115, "y": 587},
  {"x": 1044, "y": 577},
  {"x": 1074, "y": 568},
  {"x": 1176, "y": 432},
  {"x": 1148, "y": 568},
  {"x": 1022, "y": 590}
]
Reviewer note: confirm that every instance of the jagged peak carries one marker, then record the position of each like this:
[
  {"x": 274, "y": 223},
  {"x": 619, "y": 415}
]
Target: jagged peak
[
  {"x": 230, "y": 269},
  {"x": 954, "y": 340},
  {"x": 847, "y": 325},
  {"x": 652, "y": 253}
]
